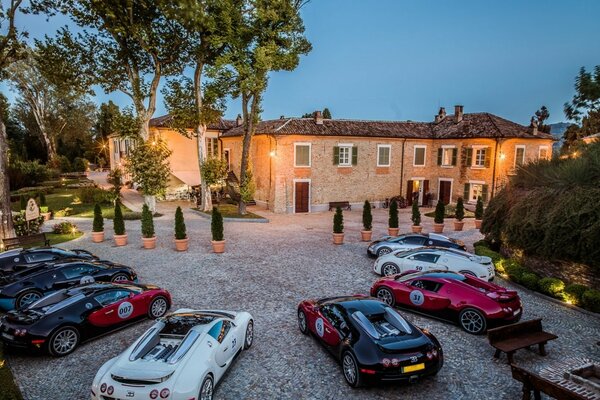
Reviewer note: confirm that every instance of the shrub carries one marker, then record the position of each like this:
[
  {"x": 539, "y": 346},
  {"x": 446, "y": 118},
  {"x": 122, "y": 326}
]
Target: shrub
[
  {"x": 216, "y": 225},
  {"x": 485, "y": 251},
  {"x": 148, "y": 164},
  {"x": 115, "y": 178},
  {"x": 23, "y": 202},
  {"x": 79, "y": 165},
  {"x": 575, "y": 292},
  {"x": 147, "y": 222},
  {"x": 214, "y": 170},
  {"x": 393, "y": 215},
  {"x": 65, "y": 212},
  {"x": 44, "y": 209},
  {"x": 60, "y": 163},
  {"x": 338, "y": 221},
  {"x": 591, "y": 300},
  {"x": 552, "y": 286},
  {"x": 180, "y": 232},
  {"x": 118, "y": 223},
  {"x": 530, "y": 280},
  {"x": 22, "y": 228},
  {"x": 42, "y": 199},
  {"x": 416, "y": 214},
  {"x": 91, "y": 195},
  {"x": 460, "y": 209},
  {"x": 64, "y": 227},
  {"x": 26, "y": 173},
  {"x": 98, "y": 224},
  {"x": 367, "y": 217},
  {"x": 440, "y": 210},
  {"x": 514, "y": 270},
  {"x": 479, "y": 208}
]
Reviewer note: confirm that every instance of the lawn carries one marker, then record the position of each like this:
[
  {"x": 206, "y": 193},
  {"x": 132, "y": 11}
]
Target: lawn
[
  {"x": 231, "y": 211},
  {"x": 8, "y": 388}
]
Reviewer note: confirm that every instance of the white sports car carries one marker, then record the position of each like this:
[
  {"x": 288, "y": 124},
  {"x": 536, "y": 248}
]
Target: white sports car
[
  {"x": 435, "y": 259},
  {"x": 181, "y": 357}
]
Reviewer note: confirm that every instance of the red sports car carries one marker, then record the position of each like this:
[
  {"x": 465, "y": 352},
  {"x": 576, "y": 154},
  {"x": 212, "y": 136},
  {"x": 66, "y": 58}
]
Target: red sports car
[{"x": 475, "y": 304}]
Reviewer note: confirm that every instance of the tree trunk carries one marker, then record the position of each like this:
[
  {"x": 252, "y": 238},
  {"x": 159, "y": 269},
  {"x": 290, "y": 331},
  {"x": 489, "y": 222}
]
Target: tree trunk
[
  {"x": 249, "y": 117},
  {"x": 200, "y": 136},
  {"x": 6, "y": 222}
]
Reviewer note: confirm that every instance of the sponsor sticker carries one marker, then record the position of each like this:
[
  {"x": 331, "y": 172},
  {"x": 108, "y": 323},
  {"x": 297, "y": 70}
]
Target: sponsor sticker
[
  {"x": 125, "y": 310},
  {"x": 417, "y": 298},
  {"x": 320, "y": 327},
  {"x": 87, "y": 279}
]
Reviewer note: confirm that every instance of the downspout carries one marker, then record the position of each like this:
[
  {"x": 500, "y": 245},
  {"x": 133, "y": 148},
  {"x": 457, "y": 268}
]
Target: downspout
[
  {"x": 402, "y": 168},
  {"x": 494, "y": 170}
]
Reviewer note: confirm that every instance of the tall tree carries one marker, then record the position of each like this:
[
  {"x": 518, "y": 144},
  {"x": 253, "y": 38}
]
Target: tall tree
[
  {"x": 269, "y": 36},
  {"x": 584, "y": 108},
  {"x": 541, "y": 117}
]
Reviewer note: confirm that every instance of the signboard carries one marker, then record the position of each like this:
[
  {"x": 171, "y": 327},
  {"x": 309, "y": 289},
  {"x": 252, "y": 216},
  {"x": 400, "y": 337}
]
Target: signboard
[{"x": 32, "y": 211}]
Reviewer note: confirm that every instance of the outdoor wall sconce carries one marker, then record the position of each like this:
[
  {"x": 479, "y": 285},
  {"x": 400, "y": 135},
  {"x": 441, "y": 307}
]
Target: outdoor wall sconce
[
  {"x": 502, "y": 156},
  {"x": 272, "y": 153}
]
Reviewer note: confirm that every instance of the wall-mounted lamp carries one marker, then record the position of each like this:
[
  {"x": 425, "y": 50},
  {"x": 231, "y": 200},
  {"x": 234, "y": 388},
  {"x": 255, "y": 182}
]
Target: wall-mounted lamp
[
  {"x": 272, "y": 153},
  {"x": 502, "y": 156}
]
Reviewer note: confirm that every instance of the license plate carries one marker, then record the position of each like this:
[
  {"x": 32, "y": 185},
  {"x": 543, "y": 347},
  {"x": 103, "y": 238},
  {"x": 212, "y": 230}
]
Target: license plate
[
  {"x": 7, "y": 336},
  {"x": 412, "y": 368}
]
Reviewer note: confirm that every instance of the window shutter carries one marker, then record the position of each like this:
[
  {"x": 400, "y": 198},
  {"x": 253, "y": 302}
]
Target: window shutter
[
  {"x": 354, "y": 155},
  {"x": 466, "y": 192},
  {"x": 336, "y": 155},
  {"x": 484, "y": 193},
  {"x": 454, "y": 156},
  {"x": 468, "y": 157},
  {"x": 488, "y": 156},
  {"x": 440, "y": 152}
]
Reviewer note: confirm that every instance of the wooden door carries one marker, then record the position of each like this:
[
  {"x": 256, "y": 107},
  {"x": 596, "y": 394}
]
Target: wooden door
[
  {"x": 445, "y": 194},
  {"x": 302, "y": 194},
  {"x": 409, "y": 192},
  {"x": 425, "y": 193}
]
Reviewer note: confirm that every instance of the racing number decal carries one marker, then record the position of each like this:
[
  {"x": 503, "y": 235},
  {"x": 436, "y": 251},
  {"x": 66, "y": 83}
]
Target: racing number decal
[
  {"x": 417, "y": 298},
  {"x": 86, "y": 279},
  {"x": 419, "y": 268},
  {"x": 233, "y": 343},
  {"x": 125, "y": 310},
  {"x": 319, "y": 326}
]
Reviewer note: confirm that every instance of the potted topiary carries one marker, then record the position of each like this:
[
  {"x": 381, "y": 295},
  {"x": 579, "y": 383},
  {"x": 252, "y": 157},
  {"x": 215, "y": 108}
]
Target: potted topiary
[
  {"x": 367, "y": 220},
  {"x": 459, "y": 214},
  {"x": 181, "y": 239},
  {"x": 478, "y": 212},
  {"x": 148, "y": 236},
  {"x": 338, "y": 226},
  {"x": 119, "y": 226},
  {"x": 393, "y": 219},
  {"x": 98, "y": 225},
  {"x": 216, "y": 227},
  {"x": 44, "y": 212},
  {"x": 416, "y": 218},
  {"x": 438, "y": 219}
]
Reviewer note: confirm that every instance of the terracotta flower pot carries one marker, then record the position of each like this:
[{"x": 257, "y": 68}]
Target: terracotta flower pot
[
  {"x": 438, "y": 228},
  {"x": 120, "y": 240},
  {"x": 338, "y": 238},
  {"x": 458, "y": 225},
  {"x": 478, "y": 224},
  {"x": 181, "y": 244},
  {"x": 98, "y": 237},
  {"x": 417, "y": 229},
  {"x": 218, "y": 246},
  {"x": 149, "y": 243},
  {"x": 366, "y": 235},
  {"x": 393, "y": 231},
  {"x": 47, "y": 216}
]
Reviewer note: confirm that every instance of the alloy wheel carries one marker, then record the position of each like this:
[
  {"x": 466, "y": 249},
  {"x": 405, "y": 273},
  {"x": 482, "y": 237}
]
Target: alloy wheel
[
  {"x": 302, "y": 321},
  {"x": 64, "y": 341},
  {"x": 349, "y": 367},
  {"x": 206, "y": 393},
  {"x": 386, "y": 296},
  {"x": 29, "y": 298},
  {"x": 120, "y": 278},
  {"x": 389, "y": 269},
  {"x": 383, "y": 251},
  {"x": 249, "y": 334},
  {"x": 472, "y": 321},
  {"x": 158, "y": 307}
]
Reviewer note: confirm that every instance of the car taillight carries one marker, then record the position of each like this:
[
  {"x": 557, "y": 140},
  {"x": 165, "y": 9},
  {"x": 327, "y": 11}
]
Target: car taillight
[
  {"x": 395, "y": 362},
  {"x": 154, "y": 394},
  {"x": 386, "y": 362},
  {"x": 432, "y": 354},
  {"x": 103, "y": 387},
  {"x": 164, "y": 393},
  {"x": 110, "y": 390},
  {"x": 20, "y": 332}
]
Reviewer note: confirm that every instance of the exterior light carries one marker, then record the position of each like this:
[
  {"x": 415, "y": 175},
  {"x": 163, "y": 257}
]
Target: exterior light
[
  {"x": 272, "y": 153},
  {"x": 502, "y": 156},
  {"x": 574, "y": 154}
]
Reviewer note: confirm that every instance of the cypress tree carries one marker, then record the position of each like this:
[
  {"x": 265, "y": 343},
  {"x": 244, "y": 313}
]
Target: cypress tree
[
  {"x": 440, "y": 211},
  {"x": 393, "y": 219},
  {"x": 460, "y": 209},
  {"x": 216, "y": 225},
  {"x": 338, "y": 221},
  {"x": 98, "y": 225},
  {"x": 416, "y": 214},
  {"x": 367, "y": 217},
  {"x": 479, "y": 208},
  {"x": 180, "y": 232},
  {"x": 147, "y": 222},
  {"x": 119, "y": 224}
]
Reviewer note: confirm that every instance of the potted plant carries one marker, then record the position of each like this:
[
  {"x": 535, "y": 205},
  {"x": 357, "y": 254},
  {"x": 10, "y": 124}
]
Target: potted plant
[
  {"x": 119, "y": 226},
  {"x": 393, "y": 219},
  {"x": 98, "y": 225},
  {"x": 181, "y": 239},
  {"x": 438, "y": 219},
  {"x": 459, "y": 214},
  {"x": 44, "y": 211},
  {"x": 216, "y": 227},
  {"x": 478, "y": 212},
  {"x": 416, "y": 218},
  {"x": 148, "y": 237},
  {"x": 338, "y": 226},
  {"x": 367, "y": 220}
]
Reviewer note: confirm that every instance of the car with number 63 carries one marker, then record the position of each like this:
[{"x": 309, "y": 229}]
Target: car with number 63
[{"x": 182, "y": 356}]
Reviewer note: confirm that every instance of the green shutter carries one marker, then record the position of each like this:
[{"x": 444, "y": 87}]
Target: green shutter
[
  {"x": 336, "y": 155},
  {"x": 466, "y": 192},
  {"x": 484, "y": 193},
  {"x": 488, "y": 156},
  {"x": 454, "y": 156},
  {"x": 354, "y": 155},
  {"x": 468, "y": 161},
  {"x": 440, "y": 152}
]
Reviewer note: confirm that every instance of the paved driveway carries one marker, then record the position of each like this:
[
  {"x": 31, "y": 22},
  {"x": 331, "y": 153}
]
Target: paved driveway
[{"x": 267, "y": 270}]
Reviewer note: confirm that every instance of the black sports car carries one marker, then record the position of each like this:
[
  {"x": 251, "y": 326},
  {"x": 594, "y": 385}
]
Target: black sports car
[
  {"x": 58, "y": 322},
  {"x": 23, "y": 258},
  {"x": 371, "y": 340},
  {"x": 29, "y": 285}
]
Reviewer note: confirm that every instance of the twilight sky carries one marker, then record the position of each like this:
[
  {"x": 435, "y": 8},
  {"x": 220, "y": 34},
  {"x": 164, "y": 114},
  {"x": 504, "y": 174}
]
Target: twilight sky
[{"x": 401, "y": 60}]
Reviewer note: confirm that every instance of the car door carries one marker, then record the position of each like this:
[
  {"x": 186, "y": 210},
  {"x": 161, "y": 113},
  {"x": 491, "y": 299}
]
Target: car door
[
  {"x": 425, "y": 296},
  {"x": 324, "y": 326},
  {"x": 74, "y": 274},
  {"x": 117, "y": 308},
  {"x": 228, "y": 342}
]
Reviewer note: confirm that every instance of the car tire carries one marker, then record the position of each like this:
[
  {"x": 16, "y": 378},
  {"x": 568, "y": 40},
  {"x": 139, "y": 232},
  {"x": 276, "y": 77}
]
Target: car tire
[
  {"x": 27, "y": 297},
  {"x": 158, "y": 307},
  {"x": 472, "y": 321},
  {"x": 383, "y": 251},
  {"x": 465, "y": 272},
  {"x": 302, "y": 322},
  {"x": 249, "y": 338},
  {"x": 386, "y": 295},
  {"x": 120, "y": 277},
  {"x": 389, "y": 268},
  {"x": 350, "y": 369},
  {"x": 206, "y": 389},
  {"x": 63, "y": 341}
]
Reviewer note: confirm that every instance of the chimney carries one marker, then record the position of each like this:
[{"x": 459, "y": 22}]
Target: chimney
[
  {"x": 534, "y": 126},
  {"x": 458, "y": 113},
  {"x": 239, "y": 120},
  {"x": 440, "y": 115},
  {"x": 318, "y": 117}
]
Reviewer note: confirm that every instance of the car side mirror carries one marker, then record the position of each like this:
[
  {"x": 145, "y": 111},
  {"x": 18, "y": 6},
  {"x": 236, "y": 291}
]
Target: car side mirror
[{"x": 131, "y": 295}]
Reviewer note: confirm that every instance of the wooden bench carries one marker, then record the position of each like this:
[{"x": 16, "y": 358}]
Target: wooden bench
[
  {"x": 533, "y": 382},
  {"x": 19, "y": 241},
  {"x": 511, "y": 338},
  {"x": 341, "y": 204}
]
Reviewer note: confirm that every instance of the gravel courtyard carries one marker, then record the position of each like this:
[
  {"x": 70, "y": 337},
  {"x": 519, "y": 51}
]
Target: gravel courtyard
[{"x": 267, "y": 270}]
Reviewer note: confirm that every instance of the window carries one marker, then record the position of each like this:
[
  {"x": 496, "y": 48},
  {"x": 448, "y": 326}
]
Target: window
[
  {"x": 75, "y": 271},
  {"x": 39, "y": 257},
  {"x": 345, "y": 155},
  {"x": 415, "y": 240},
  {"x": 301, "y": 154},
  {"x": 426, "y": 285},
  {"x": 111, "y": 297},
  {"x": 220, "y": 330},
  {"x": 383, "y": 155},
  {"x": 116, "y": 147},
  {"x": 519, "y": 156},
  {"x": 479, "y": 159},
  {"x": 447, "y": 156},
  {"x": 543, "y": 153},
  {"x": 419, "y": 157},
  {"x": 475, "y": 189},
  {"x": 426, "y": 257},
  {"x": 212, "y": 147}
]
